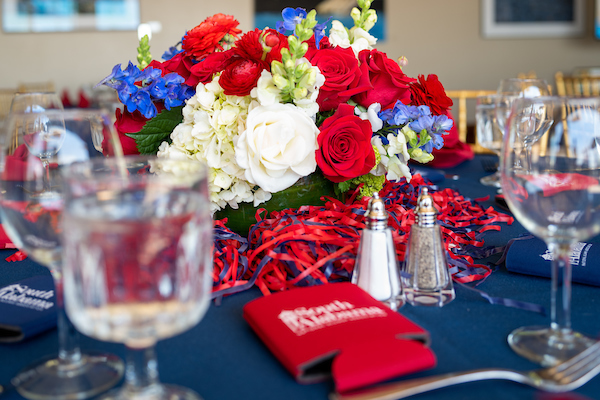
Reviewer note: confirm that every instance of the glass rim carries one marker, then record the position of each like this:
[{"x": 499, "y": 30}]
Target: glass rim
[
  {"x": 129, "y": 160},
  {"x": 558, "y": 98}
]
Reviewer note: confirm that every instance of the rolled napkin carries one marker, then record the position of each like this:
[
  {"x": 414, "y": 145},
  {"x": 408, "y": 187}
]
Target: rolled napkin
[
  {"x": 530, "y": 255},
  {"x": 339, "y": 330},
  {"x": 27, "y": 308}
]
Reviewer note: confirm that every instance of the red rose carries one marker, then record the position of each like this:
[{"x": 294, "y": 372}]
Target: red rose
[
  {"x": 128, "y": 123},
  {"x": 342, "y": 76},
  {"x": 387, "y": 80},
  {"x": 240, "y": 76},
  {"x": 430, "y": 92},
  {"x": 345, "y": 149},
  {"x": 206, "y": 37}
]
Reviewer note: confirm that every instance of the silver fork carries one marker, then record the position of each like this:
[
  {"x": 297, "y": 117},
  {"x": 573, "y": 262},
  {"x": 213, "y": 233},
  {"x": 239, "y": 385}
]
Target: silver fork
[{"x": 564, "y": 377}]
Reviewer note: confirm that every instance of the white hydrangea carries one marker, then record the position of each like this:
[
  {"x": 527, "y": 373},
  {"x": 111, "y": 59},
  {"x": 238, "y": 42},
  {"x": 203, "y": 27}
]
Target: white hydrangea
[{"x": 212, "y": 122}]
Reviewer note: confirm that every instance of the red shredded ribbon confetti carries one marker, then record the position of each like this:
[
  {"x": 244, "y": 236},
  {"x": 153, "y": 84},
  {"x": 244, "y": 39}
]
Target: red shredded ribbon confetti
[{"x": 315, "y": 245}]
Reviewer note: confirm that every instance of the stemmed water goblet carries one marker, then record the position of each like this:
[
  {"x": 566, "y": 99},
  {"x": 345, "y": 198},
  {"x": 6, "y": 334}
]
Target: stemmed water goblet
[
  {"x": 138, "y": 260},
  {"x": 488, "y": 133},
  {"x": 35, "y": 147},
  {"x": 32, "y": 102},
  {"x": 511, "y": 89},
  {"x": 557, "y": 198}
]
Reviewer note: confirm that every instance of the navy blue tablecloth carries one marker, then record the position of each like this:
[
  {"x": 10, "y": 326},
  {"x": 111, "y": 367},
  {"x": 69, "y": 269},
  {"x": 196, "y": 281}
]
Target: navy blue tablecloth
[{"x": 221, "y": 358}]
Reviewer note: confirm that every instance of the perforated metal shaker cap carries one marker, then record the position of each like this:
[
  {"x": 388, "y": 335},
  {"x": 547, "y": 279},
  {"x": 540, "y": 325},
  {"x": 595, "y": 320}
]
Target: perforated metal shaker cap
[
  {"x": 376, "y": 218},
  {"x": 425, "y": 213}
]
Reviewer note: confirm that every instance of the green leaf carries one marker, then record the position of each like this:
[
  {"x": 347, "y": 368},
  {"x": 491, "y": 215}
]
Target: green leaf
[{"x": 157, "y": 130}]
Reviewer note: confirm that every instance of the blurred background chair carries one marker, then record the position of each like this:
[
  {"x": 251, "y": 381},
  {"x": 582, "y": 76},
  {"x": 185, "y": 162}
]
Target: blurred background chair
[
  {"x": 6, "y": 96},
  {"x": 466, "y": 133},
  {"x": 29, "y": 87},
  {"x": 577, "y": 85}
]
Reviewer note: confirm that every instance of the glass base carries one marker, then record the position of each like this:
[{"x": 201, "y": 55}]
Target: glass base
[
  {"x": 49, "y": 379},
  {"x": 546, "y": 346},
  {"x": 429, "y": 298},
  {"x": 152, "y": 392},
  {"x": 491, "y": 180}
]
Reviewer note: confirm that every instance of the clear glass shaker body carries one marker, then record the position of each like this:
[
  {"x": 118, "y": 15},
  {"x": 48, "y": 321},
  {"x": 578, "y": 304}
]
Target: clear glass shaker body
[{"x": 426, "y": 279}]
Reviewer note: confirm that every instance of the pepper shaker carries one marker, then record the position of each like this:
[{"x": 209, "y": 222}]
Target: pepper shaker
[
  {"x": 425, "y": 278},
  {"x": 376, "y": 268}
]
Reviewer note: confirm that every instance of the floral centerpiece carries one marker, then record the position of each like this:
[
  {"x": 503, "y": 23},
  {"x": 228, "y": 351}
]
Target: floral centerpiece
[{"x": 268, "y": 107}]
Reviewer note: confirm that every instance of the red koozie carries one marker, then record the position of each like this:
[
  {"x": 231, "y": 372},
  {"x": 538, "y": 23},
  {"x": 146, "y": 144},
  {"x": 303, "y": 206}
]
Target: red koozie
[{"x": 339, "y": 330}]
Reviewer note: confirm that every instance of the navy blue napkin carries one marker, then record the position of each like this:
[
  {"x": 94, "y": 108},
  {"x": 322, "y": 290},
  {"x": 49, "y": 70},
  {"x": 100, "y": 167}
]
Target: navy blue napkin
[
  {"x": 27, "y": 308},
  {"x": 531, "y": 256}
]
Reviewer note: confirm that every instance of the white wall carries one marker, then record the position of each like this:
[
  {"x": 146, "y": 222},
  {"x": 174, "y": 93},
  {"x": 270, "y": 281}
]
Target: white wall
[{"x": 437, "y": 36}]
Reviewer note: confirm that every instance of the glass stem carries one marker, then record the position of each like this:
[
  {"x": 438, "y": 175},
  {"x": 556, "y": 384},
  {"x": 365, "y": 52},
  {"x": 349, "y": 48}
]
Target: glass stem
[
  {"x": 46, "y": 165},
  {"x": 69, "y": 352},
  {"x": 560, "y": 313},
  {"x": 141, "y": 370}
]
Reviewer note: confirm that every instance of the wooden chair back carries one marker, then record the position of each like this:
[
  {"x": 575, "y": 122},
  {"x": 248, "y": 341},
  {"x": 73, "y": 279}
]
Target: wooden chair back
[
  {"x": 461, "y": 97},
  {"x": 577, "y": 85},
  {"x": 31, "y": 87}
]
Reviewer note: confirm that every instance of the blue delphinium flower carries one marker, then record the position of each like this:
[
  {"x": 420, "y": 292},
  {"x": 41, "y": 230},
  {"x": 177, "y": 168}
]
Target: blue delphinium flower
[
  {"x": 140, "y": 100},
  {"x": 158, "y": 88},
  {"x": 401, "y": 114},
  {"x": 442, "y": 124},
  {"x": 291, "y": 18},
  {"x": 423, "y": 122},
  {"x": 319, "y": 30},
  {"x": 174, "y": 90},
  {"x": 418, "y": 119},
  {"x": 138, "y": 89},
  {"x": 114, "y": 79}
]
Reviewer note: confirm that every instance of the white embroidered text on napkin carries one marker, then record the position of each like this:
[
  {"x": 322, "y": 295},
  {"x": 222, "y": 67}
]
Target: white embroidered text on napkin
[{"x": 24, "y": 296}]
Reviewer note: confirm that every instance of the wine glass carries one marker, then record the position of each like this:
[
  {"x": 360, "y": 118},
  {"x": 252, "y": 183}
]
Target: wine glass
[
  {"x": 35, "y": 147},
  {"x": 138, "y": 259},
  {"x": 32, "y": 102},
  {"x": 511, "y": 89},
  {"x": 557, "y": 198},
  {"x": 488, "y": 132}
]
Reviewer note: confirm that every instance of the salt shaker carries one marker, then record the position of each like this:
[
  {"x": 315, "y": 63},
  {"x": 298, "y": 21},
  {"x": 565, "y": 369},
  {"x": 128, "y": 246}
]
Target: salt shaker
[
  {"x": 376, "y": 269},
  {"x": 425, "y": 278}
]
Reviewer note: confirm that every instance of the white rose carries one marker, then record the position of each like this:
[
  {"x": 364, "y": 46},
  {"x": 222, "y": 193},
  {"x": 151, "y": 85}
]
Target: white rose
[{"x": 278, "y": 146}]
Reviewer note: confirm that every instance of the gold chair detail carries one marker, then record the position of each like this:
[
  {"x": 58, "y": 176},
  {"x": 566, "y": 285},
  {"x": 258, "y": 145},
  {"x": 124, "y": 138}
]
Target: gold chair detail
[
  {"x": 6, "y": 96},
  {"x": 577, "y": 85},
  {"x": 30, "y": 87},
  {"x": 461, "y": 119}
]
